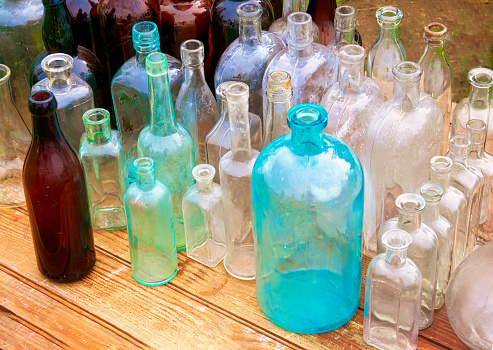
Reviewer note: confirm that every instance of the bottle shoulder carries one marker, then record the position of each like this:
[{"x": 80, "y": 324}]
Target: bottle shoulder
[
  {"x": 405, "y": 276},
  {"x": 158, "y": 195},
  {"x": 111, "y": 149}
]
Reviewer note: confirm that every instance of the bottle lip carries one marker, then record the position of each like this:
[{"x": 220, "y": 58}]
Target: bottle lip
[
  {"x": 410, "y": 203},
  {"x": 476, "y": 131},
  {"x": 192, "y": 52},
  {"x": 307, "y": 117},
  {"x": 145, "y": 36},
  {"x": 299, "y": 29},
  {"x": 352, "y": 54},
  {"x": 57, "y": 63},
  {"x": 279, "y": 81},
  {"x": 238, "y": 92},
  {"x": 156, "y": 64},
  {"x": 481, "y": 77},
  {"x": 203, "y": 172},
  {"x": 407, "y": 71},
  {"x": 435, "y": 30},
  {"x": 459, "y": 142},
  {"x": 96, "y": 116},
  {"x": 42, "y": 102},
  {"x": 249, "y": 10},
  {"x": 345, "y": 18},
  {"x": 431, "y": 192},
  {"x": 389, "y": 15},
  {"x": 441, "y": 164},
  {"x": 4, "y": 74},
  {"x": 144, "y": 165},
  {"x": 396, "y": 239},
  {"x": 221, "y": 89}
]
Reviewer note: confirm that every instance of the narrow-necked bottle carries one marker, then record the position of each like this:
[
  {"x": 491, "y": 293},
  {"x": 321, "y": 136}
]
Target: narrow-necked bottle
[
  {"x": 151, "y": 235},
  {"x": 165, "y": 141},
  {"x": 437, "y": 74},
  {"x": 235, "y": 171},
  {"x": 345, "y": 23},
  {"x": 387, "y": 50},
  {"x": 56, "y": 197},
  {"x": 103, "y": 161},
  {"x": 196, "y": 108},
  {"x": 73, "y": 95}
]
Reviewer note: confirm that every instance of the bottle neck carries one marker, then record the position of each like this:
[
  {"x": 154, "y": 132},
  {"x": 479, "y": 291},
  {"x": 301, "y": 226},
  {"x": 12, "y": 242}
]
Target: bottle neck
[
  {"x": 146, "y": 181},
  {"x": 431, "y": 211},
  {"x": 406, "y": 94},
  {"x": 388, "y": 31},
  {"x": 98, "y": 134},
  {"x": 46, "y": 128},
  {"x": 308, "y": 143},
  {"x": 300, "y": 52},
  {"x": 239, "y": 130},
  {"x": 477, "y": 150},
  {"x": 395, "y": 257},
  {"x": 58, "y": 29},
  {"x": 459, "y": 158},
  {"x": 163, "y": 120},
  {"x": 290, "y": 6},
  {"x": 351, "y": 76},
  {"x": 194, "y": 75},
  {"x": 140, "y": 56},
  {"x": 59, "y": 80},
  {"x": 440, "y": 178},
  {"x": 479, "y": 103},
  {"x": 344, "y": 37},
  {"x": 5, "y": 97},
  {"x": 205, "y": 186},
  {"x": 409, "y": 221},
  {"x": 249, "y": 30}
]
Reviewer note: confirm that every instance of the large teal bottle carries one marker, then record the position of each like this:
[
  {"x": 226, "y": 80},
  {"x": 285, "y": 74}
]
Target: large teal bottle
[{"x": 308, "y": 217}]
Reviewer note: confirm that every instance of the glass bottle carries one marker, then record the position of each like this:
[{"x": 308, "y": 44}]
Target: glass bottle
[
  {"x": 345, "y": 22},
  {"x": 387, "y": 50},
  {"x": 246, "y": 59},
  {"x": 196, "y": 108},
  {"x": 432, "y": 193},
  {"x": 167, "y": 142},
  {"x": 130, "y": 89},
  {"x": 73, "y": 95},
  {"x": 314, "y": 252},
  {"x": 218, "y": 141},
  {"x": 14, "y": 144},
  {"x": 203, "y": 218},
  {"x": 423, "y": 250},
  {"x": 151, "y": 235},
  {"x": 82, "y": 12},
  {"x": 56, "y": 197},
  {"x": 103, "y": 160},
  {"x": 437, "y": 74},
  {"x": 354, "y": 101},
  {"x": 393, "y": 296},
  {"x": 235, "y": 171}
]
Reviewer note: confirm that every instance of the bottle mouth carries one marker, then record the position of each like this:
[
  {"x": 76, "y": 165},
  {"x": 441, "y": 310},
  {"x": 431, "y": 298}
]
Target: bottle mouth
[
  {"x": 145, "y": 36},
  {"x": 144, "y": 166},
  {"x": 345, "y": 18},
  {"x": 156, "y": 64},
  {"x": 410, "y": 203},
  {"x": 192, "y": 52},
  {"x": 221, "y": 90},
  {"x": 389, "y": 15},
  {"x": 237, "y": 92},
  {"x": 249, "y": 10},
  {"x": 57, "y": 63},
  {"x": 476, "y": 130},
  {"x": 441, "y": 164},
  {"x": 352, "y": 54},
  {"x": 42, "y": 102},
  {"x": 407, "y": 71},
  {"x": 4, "y": 74},
  {"x": 481, "y": 77},
  {"x": 396, "y": 239},
  {"x": 308, "y": 117},
  {"x": 300, "y": 29},
  {"x": 431, "y": 192},
  {"x": 279, "y": 81},
  {"x": 203, "y": 172},
  {"x": 435, "y": 30},
  {"x": 459, "y": 145},
  {"x": 96, "y": 116}
]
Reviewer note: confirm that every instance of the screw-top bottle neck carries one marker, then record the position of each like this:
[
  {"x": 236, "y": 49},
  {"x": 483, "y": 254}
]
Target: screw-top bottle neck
[
  {"x": 459, "y": 149},
  {"x": 407, "y": 76},
  {"x": 476, "y": 131},
  {"x": 97, "y": 124},
  {"x": 43, "y": 105},
  {"x": 432, "y": 193},
  {"x": 351, "y": 68},
  {"x": 344, "y": 23},
  {"x": 410, "y": 207},
  {"x": 481, "y": 80},
  {"x": 237, "y": 95},
  {"x": 307, "y": 122},
  {"x": 145, "y": 36},
  {"x": 58, "y": 69},
  {"x": 440, "y": 171},
  {"x": 249, "y": 14},
  {"x": 204, "y": 176},
  {"x": 396, "y": 243},
  {"x": 58, "y": 28},
  {"x": 192, "y": 56},
  {"x": 300, "y": 36},
  {"x": 144, "y": 170}
]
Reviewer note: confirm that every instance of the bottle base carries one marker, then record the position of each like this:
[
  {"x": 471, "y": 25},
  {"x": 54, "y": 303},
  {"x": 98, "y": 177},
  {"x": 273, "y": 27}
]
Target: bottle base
[
  {"x": 240, "y": 263},
  {"x": 154, "y": 284}
]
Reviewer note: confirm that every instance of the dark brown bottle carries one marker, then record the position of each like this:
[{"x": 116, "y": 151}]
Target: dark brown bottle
[{"x": 56, "y": 197}]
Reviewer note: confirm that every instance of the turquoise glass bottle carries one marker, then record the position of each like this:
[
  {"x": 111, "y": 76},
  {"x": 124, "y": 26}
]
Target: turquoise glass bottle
[
  {"x": 308, "y": 265},
  {"x": 165, "y": 141}
]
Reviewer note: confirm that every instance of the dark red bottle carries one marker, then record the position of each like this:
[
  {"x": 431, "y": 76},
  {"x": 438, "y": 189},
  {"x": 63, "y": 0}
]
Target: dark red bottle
[{"x": 56, "y": 197}]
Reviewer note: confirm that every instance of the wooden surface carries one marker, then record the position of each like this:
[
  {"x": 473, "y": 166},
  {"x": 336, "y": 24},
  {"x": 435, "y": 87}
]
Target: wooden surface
[{"x": 201, "y": 308}]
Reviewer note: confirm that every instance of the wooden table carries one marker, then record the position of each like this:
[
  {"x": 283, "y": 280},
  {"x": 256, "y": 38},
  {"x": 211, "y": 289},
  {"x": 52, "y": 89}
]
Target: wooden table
[{"x": 201, "y": 308}]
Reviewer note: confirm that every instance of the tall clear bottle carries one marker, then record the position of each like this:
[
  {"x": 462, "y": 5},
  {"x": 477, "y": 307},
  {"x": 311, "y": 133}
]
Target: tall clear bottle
[
  {"x": 387, "y": 50},
  {"x": 235, "y": 171},
  {"x": 166, "y": 141},
  {"x": 393, "y": 296},
  {"x": 437, "y": 74},
  {"x": 103, "y": 162},
  {"x": 73, "y": 95},
  {"x": 196, "y": 108},
  {"x": 344, "y": 23}
]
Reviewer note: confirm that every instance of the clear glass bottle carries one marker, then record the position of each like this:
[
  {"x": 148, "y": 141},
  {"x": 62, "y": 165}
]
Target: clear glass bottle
[
  {"x": 423, "y": 250},
  {"x": 196, "y": 108},
  {"x": 393, "y": 296},
  {"x": 408, "y": 124},
  {"x": 103, "y": 162},
  {"x": 345, "y": 24},
  {"x": 354, "y": 101},
  {"x": 437, "y": 75},
  {"x": 151, "y": 235},
  {"x": 166, "y": 141},
  {"x": 203, "y": 218},
  {"x": 218, "y": 141},
  {"x": 387, "y": 50},
  {"x": 432, "y": 193},
  {"x": 235, "y": 171},
  {"x": 73, "y": 95},
  {"x": 246, "y": 59},
  {"x": 130, "y": 89},
  {"x": 14, "y": 144},
  {"x": 476, "y": 106}
]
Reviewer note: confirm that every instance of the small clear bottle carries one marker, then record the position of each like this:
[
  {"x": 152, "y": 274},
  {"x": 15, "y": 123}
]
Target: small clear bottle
[
  {"x": 196, "y": 108},
  {"x": 387, "y": 50},
  {"x": 235, "y": 171},
  {"x": 203, "y": 218},
  {"x": 151, "y": 235},
  {"x": 73, "y": 95},
  {"x": 345, "y": 27},
  {"x": 423, "y": 250},
  {"x": 437, "y": 75},
  {"x": 103, "y": 162},
  {"x": 393, "y": 296}
]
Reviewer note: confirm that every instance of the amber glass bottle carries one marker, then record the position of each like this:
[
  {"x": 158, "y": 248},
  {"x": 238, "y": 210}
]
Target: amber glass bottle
[{"x": 56, "y": 197}]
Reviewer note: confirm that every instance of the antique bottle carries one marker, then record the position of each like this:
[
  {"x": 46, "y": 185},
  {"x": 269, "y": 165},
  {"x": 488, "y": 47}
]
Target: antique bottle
[
  {"x": 218, "y": 141},
  {"x": 203, "y": 218},
  {"x": 247, "y": 58},
  {"x": 354, "y": 101},
  {"x": 235, "y": 171},
  {"x": 387, "y": 50},
  {"x": 167, "y": 142},
  {"x": 103, "y": 161},
  {"x": 345, "y": 22},
  {"x": 437, "y": 74},
  {"x": 408, "y": 125},
  {"x": 393, "y": 296},
  {"x": 14, "y": 144},
  {"x": 196, "y": 108},
  {"x": 151, "y": 235},
  {"x": 423, "y": 250},
  {"x": 130, "y": 89},
  {"x": 84, "y": 15},
  {"x": 432, "y": 193},
  {"x": 315, "y": 183},
  {"x": 469, "y": 306},
  {"x": 73, "y": 95},
  {"x": 477, "y": 105},
  {"x": 56, "y": 197}
]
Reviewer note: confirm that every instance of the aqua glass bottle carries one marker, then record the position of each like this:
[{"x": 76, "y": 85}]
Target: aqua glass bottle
[
  {"x": 308, "y": 264},
  {"x": 103, "y": 162},
  {"x": 345, "y": 27},
  {"x": 130, "y": 89},
  {"x": 151, "y": 235},
  {"x": 165, "y": 141}
]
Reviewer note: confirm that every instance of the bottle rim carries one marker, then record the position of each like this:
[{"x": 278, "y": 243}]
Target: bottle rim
[
  {"x": 144, "y": 165},
  {"x": 221, "y": 89},
  {"x": 481, "y": 77},
  {"x": 407, "y": 71},
  {"x": 345, "y": 18},
  {"x": 237, "y": 92},
  {"x": 96, "y": 116},
  {"x": 389, "y": 15},
  {"x": 441, "y": 164},
  {"x": 476, "y": 131},
  {"x": 4, "y": 74},
  {"x": 249, "y": 10},
  {"x": 410, "y": 203},
  {"x": 42, "y": 102},
  {"x": 352, "y": 54},
  {"x": 279, "y": 82},
  {"x": 300, "y": 29},
  {"x": 192, "y": 52},
  {"x": 203, "y": 172},
  {"x": 396, "y": 239},
  {"x": 307, "y": 116},
  {"x": 435, "y": 30},
  {"x": 57, "y": 63},
  {"x": 431, "y": 192},
  {"x": 145, "y": 36},
  {"x": 156, "y": 64},
  {"x": 459, "y": 145}
]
